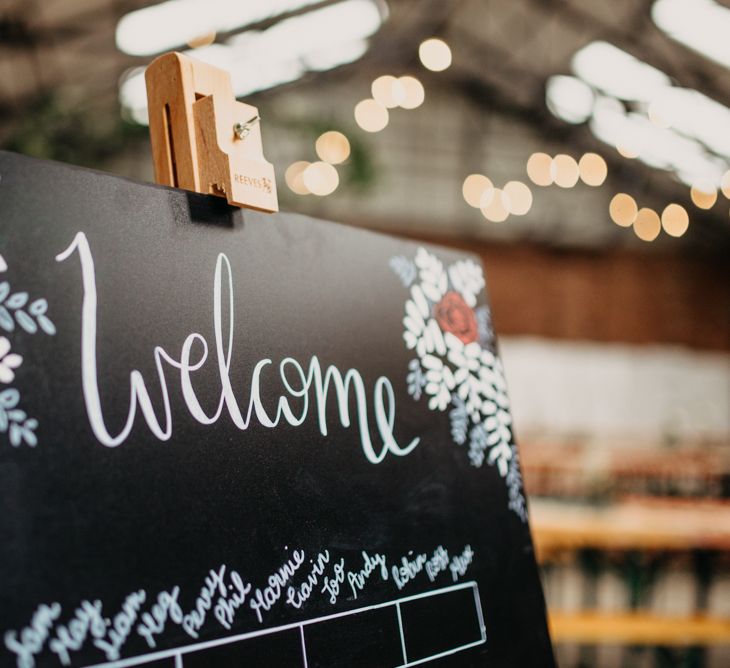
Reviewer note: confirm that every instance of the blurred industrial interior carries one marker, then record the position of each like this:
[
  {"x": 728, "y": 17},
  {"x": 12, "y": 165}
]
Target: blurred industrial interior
[{"x": 608, "y": 276}]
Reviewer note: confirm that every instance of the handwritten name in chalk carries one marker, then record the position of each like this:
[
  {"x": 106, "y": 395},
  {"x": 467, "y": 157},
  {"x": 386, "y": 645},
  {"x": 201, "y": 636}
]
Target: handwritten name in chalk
[
  {"x": 408, "y": 569},
  {"x": 33, "y": 637},
  {"x": 122, "y": 626},
  {"x": 297, "y": 596},
  {"x": 108, "y": 635},
  {"x": 88, "y": 618},
  {"x": 266, "y": 598},
  {"x": 438, "y": 562},
  {"x": 297, "y": 387},
  {"x": 331, "y": 585},
  {"x": 460, "y": 563},
  {"x": 193, "y": 621},
  {"x": 153, "y": 623},
  {"x": 226, "y": 607},
  {"x": 224, "y": 593},
  {"x": 358, "y": 579}
]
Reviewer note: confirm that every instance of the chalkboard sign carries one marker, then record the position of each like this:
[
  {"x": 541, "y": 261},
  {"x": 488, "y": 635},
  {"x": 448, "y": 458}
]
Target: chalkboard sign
[{"x": 230, "y": 438}]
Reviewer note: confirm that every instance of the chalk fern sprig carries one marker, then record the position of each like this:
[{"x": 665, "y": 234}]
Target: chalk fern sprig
[{"x": 30, "y": 316}]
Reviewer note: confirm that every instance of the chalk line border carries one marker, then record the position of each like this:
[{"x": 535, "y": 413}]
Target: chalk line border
[{"x": 177, "y": 653}]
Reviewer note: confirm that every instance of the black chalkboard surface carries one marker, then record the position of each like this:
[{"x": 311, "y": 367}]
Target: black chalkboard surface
[{"x": 230, "y": 438}]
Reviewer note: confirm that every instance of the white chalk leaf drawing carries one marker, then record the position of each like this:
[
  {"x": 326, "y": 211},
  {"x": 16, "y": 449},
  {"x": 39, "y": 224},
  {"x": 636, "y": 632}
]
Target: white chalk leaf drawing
[
  {"x": 17, "y": 308},
  {"x": 459, "y": 420},
  {"x": 19, "y": 315},
  {"x": 484, "y": 326},
  {"x": 415, "y": 379},
  {"x": 404, "y": 269},
  {"x": 455, "y": 367}
]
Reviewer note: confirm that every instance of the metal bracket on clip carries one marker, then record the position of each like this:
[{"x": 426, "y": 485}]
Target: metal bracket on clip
[{"x": 203, "y": 139}]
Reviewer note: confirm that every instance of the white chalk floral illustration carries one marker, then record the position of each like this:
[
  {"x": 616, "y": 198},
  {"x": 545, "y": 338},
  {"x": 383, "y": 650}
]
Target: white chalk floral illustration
[
  {"x": 8, "y": 361},
  {"x": 17, "y": 308},
  {"x": 18, "y": 314},
  {"x": 455, "y": 366}
]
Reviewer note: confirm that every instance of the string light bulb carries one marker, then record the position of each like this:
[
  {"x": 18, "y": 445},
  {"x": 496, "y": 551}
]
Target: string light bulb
[
  {"x": 623, "y": 209},
  {"x": 332, "y": 147},
  {"x": 435, "y": 54},
  {"x": 519, "y": 197},
  {"x": 592, "y": 169},
  {"x": 675, "y": 220},
  {"x": 538, "y": 169},
  {"x": 564, "y": 171},
  {"x": 294, "y": 177},
  {"x": 321, "y": 178},
  {"x": 647, "y": 224},
  {"x": 497, "y": 210},
  {"x": 703, "y": 195},
  {"x": 371, "y": 116},
  {"x": 414, "y": 94},
  {"x": 474, "y": 188},
  {"x": 388, "y": 91}
]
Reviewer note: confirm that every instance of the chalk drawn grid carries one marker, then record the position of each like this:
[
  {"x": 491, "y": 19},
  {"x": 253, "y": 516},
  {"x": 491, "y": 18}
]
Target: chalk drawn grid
[{"x": 178, "y": 653}]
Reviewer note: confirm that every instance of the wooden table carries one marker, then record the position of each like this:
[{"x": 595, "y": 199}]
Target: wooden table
[
  {"x": 595, "y": 628},
  {"x": 649, "y": 525},
  {"x": 632, "y": 524}
]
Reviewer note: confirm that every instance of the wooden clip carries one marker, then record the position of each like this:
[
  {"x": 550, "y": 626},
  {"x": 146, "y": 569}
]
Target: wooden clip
[{"x": 202, "y": 138}]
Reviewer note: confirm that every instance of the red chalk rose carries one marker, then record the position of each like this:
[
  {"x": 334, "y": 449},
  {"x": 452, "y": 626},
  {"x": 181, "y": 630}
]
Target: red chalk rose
[{"x": 454, "y": 315}]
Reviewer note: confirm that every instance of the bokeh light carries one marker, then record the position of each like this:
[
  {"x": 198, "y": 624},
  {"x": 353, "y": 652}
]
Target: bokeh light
[
  {"x": 203, "y": 39},
  {"x": 703, "y": 195},
  {"x": 435, "y": 54},
  {"x": 371, "y": 116},
  {"x": 569, "y": 98},
  {"x": 519, "y": 197},
  {"x": 497, "y": 210},
  {"x": 647, "y": 224},
  {"x": 294, "y": 177},
  {"x": 388, "y": 91},
  {"x": 593, "y": 169},
  {"x": 675, "y": 220},
  {"x": 538, "y": 169},
  {"x": 414, "y": 94},
  {"x": 564, "y": 171},
  {"x": 474, "y": 187},
  {"x": 627, "y": 151},
  {"x": 332, "y": 147},
  {"x": 725, "y": 184},
  {"x": 321, "y": 178},
  {"x": 623, "y": 209}
]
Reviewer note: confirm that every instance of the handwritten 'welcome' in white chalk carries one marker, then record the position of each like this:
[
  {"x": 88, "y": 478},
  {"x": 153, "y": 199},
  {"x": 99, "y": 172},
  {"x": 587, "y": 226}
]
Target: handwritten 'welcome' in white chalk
[{"x": 314, "y": 380}]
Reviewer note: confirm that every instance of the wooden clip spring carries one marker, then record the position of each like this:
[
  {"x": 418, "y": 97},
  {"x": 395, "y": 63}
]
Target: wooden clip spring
[{"x": 202, "y": 138}]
